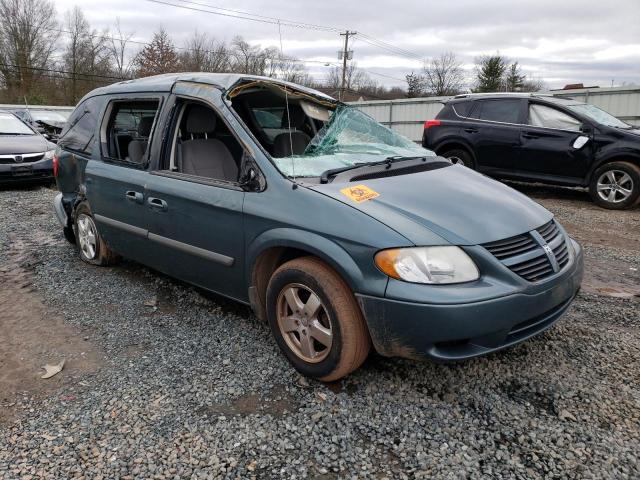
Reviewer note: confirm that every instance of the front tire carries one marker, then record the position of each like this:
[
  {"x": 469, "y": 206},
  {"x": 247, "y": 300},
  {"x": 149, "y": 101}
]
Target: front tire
[
  {"x": 460, "y": 157},
  {"x": 616, "y": 185},
  {"x": 316, "y": 320},
  {"x": 91, "y": 247}
]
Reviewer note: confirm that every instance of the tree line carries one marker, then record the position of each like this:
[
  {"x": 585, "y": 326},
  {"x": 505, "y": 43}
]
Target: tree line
[
  {"x": 44, "y": 60},
  {"x": 445, "y": 76}
]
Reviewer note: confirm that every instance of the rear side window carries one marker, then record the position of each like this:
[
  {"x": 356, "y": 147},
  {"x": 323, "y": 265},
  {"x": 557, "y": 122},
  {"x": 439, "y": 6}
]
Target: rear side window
[
  {"x": 548, "y": 117},
  {"x": 79, "y": 132},
  {"x": 463, "y": 108},
  {"x": 505, "y": 111},
  {"x": 126, "y": 130}
]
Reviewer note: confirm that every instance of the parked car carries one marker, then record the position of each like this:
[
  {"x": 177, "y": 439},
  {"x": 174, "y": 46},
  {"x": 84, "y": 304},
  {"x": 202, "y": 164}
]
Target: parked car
[
  {"x": 541, "y": 138},
  {"x": 46, "y": 121},
  {"x": 25, "y": 155},
  {"x": 338, "y": 231}
]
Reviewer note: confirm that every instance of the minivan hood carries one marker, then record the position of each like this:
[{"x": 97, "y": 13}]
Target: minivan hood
[
  {"x": 17, "y": 144},
  {"x": 455, "y": 203}
]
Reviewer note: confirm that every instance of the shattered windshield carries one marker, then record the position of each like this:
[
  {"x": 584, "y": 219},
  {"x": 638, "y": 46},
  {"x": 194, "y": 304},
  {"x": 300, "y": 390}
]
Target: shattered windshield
[
  {"x": 599, "y": 115},
  {"x": 349, "y": 137}
]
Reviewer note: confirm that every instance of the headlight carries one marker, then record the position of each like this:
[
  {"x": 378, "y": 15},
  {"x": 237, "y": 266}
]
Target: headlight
[
  {"x": 48, "y": 155},
  {"x": 428, "y": 264}
]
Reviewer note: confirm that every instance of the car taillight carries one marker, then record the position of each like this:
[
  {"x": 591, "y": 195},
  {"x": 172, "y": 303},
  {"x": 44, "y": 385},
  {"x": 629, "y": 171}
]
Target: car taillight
[
  {"x": 56, "y": 165},
  {"x": 431, "y": 123}
]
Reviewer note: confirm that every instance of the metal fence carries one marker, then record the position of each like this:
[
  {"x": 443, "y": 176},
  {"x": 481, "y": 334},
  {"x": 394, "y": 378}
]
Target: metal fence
[{"x": 407, "y": 116}]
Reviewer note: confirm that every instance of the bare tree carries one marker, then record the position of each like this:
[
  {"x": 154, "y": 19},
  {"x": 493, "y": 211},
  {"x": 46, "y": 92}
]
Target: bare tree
[
  {"x": 86, "y": 56},
  {"x": 204, "y": 54},
  {"x": 531, "y": 84},
  {"x": 157, "y": 57},
  {"x": 356, "y": 78},
  {"x": 28, "y": 38},
  {"x": 444, "y": 75},
  {"x": 118, "y": 50}
]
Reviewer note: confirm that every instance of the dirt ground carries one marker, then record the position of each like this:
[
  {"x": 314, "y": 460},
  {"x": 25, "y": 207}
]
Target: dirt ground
[{"x": 32, "y": 336}]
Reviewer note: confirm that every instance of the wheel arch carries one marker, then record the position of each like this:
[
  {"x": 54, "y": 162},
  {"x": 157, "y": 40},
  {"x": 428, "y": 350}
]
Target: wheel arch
[
  {"x": 456, "y": 143},
  {"x": 629, "y": 157},
  {"x": 275, "y": 247}
]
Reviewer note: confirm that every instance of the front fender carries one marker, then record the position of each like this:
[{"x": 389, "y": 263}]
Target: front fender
[
  {"x": 611, "y": 155},
  {"x": 322, "y": 247}
]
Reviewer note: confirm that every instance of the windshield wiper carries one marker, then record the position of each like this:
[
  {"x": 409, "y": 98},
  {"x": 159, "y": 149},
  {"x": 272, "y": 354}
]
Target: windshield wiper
[{"x": 324, "y": 178}]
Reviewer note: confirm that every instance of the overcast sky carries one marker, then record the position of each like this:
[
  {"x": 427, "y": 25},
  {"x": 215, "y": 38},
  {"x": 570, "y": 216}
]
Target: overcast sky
[{"x": 559, "y": 41}]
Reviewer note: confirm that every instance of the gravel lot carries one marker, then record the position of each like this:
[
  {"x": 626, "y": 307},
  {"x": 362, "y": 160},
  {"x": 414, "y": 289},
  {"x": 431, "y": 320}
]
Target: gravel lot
[{"x": 163, "y": 381}]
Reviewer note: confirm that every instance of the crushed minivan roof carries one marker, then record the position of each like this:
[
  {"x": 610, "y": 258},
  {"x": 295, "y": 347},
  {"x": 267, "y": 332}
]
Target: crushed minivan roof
[{"x": 165, "y": 82}]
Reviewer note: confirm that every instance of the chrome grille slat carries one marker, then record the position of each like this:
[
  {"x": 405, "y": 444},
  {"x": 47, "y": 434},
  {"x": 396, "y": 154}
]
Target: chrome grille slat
[{"x": 524, "y": 256}]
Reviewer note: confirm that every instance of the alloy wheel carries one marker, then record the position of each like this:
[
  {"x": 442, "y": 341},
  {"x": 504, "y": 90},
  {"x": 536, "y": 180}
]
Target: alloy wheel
[
  {"x": 87, "y": 235},
  {"x": 615, "y": 186},
  {"x": 456, "y": 160},
  {"x": 304, "y": 323}
]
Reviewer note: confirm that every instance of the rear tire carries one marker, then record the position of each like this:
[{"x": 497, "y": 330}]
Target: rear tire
[
  {"x": 460, "y": 157},
  {"x": 616, "y": 185},
  {"x": 91, "y": 247},
  {"x": 316, "y": 320}
]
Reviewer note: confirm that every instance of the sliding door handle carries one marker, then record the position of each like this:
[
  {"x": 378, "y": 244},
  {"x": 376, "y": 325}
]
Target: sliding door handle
[
  {"x": 133, "y": 196},
  {"x": 157, "y": 204}
]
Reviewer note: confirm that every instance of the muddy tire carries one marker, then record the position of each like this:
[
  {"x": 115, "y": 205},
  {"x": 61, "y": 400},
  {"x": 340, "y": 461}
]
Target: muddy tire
[
  {"x": 460, "y": 157},
  {"x": 91, "y": 247},
  {"x": 316, "y": 320},
  {"x": 616, "y": 185}
]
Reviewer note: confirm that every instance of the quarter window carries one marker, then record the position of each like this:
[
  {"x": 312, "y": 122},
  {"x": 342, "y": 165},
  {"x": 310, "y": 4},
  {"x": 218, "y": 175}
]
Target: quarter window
[
  {"x": 543, "y": 116},
  {"x": 505, "y": 111},
  {"x": 79, "y": 132},
  {"x": 126, "y": 131}
]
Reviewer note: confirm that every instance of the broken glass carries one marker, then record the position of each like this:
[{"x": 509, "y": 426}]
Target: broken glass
[{"x": 348, "y": 138}]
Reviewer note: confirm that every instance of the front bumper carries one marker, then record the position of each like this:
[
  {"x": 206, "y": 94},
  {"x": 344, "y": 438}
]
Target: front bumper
[
  {"x": 458, "y": 331},
  {"x": 41, "y": 170}
]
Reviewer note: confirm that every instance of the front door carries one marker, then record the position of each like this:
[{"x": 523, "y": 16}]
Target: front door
[
  {"x": 193, "y": 199},
  {"x": 552, "y": 143}
]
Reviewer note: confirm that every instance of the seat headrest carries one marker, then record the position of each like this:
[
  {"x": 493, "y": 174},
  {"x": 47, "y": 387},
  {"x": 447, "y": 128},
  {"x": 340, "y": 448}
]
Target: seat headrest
[
  {"x": 200, "y": 120},
  {"x": 144, "y": 127},
  {"x": 297, "y": 116}
]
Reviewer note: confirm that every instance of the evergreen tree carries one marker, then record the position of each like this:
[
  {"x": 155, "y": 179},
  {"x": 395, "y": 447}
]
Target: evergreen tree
[
  {"x": 514, "y": 80},
  {"x": 490, "y": 72}
]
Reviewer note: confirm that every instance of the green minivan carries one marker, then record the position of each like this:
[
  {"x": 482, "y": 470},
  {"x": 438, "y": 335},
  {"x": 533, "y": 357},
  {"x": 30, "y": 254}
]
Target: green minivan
[{"x": 342, "y": 234}]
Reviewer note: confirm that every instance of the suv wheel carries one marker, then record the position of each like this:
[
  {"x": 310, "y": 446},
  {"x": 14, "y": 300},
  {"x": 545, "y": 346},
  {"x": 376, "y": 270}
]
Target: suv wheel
[
  {"x": 91, "y": 248},
  {"x": 616, "y": 185},
  {"x": 316, "y": 320},
  {"x": 460, "y": 157}
]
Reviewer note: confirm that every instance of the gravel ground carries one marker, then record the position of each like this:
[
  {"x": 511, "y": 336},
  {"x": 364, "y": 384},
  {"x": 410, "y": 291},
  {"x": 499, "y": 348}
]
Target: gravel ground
[{"x": 163, "y": 381}]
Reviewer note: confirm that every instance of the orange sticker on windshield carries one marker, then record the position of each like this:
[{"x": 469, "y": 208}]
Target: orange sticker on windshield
[{"x": 360, "y": 193}]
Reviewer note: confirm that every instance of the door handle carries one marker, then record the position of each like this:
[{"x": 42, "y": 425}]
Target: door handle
[
  {"x": 133, "y": 196},
  {"x": 471, "y": 130},
  {"x": 529, "y": 135},
  {"x": 157, "y": 204}
]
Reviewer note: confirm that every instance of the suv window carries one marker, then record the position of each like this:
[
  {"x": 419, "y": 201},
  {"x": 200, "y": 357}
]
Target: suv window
[
  {"x": 126, "y": 131},
  {"x": 502, "y": 110},
  {"x": 548, "y": 117},
  {"x": 79, "y": 131},
  {"x": 463, "y": 108}
]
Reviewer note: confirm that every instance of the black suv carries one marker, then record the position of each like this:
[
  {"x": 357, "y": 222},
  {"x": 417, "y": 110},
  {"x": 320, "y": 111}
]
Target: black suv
[{"x": 541, "y": 138}]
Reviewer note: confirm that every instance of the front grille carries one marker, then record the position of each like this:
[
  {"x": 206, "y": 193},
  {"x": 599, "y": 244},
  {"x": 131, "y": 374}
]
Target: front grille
[
  {"x": 524, "y": 254},
  {"x": 26, "y": 158}
]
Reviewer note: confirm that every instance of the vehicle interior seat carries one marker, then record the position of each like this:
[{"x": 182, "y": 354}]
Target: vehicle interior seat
[
  {"x": 294, "y": 141},
  {"x": 204, "y": 156},
  {"x": 137, "y": 148}
]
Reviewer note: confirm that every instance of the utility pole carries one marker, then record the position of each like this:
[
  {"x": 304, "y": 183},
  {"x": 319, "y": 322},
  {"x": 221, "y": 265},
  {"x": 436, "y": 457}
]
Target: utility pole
[{"x": 346, "y": 55}]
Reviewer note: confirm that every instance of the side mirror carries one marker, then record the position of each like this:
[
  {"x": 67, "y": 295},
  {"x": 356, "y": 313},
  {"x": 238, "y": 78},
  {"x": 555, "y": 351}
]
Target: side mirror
[
  {"x": 250, "y": 179},
  {"x": 586, "y": 129}
]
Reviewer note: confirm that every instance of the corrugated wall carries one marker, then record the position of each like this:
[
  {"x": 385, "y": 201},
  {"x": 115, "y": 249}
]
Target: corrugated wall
[{"x": 407, "y": 116}]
